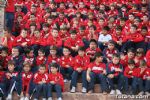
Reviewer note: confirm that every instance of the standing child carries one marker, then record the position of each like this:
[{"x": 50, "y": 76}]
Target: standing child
[
  {"x": 66, "y": 63},
  {"x": 96, "y": 72},
  {"x": 80, "y": 67},
  {"x": 40, "y": 80},
  {"x": 26, "y": 79},
  {"x": 12, "y": 81},
  {"x": 115, "y": 74},
  {"x": 56, "y": 82}
]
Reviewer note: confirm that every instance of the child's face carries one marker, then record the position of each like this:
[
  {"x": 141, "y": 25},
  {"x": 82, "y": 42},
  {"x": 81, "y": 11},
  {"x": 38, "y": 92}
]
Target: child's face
[
  {"x": 104, "y": 32},
  {"x": 45, "y": 29},
  {"x": 131, "y": 66},
  {"x": 61, "y": 16},
  {"x": 24, "y": 33},
  {"x": 4, "y": 53},
  {"x": 40, "y": 54},
  {"x": 66, "y": 52},
  {"x": 32, "y": 18},
  {"x": 11, "y": 67},
  {"x": 111, "y": 46},
  {"x": 130, "y": 55},
  {"x": 32, "y": 27},
  {"x": 92, "y": 7},
  {"x": 55, "y": 33},
  {"x": 139, "y": 54},
  {"x": 49, "y": 21},
  {"x": 15, "y": 52},
  {"x": 93, "y": 45},
  {"x": 54, "y": 70},
  {"x": 53, "y": 52},
  {"x": 33, "y": 9},
  {"x": 115, "y": 60},
  {"x": 36, "y": 33},
  {"x": 81, "y": 5},
  {"x": 118, "y": 32},
  {"x": 62, "y": 6},
  {"x": 122, "y": 23},
  {"x": 131, "y": 17},
  {"x": 99, "y": 59},
  {"x": 144, "y": 32},
  {"x": 26, "y": 68},
  {"x": 70, "y": 5},
  {"x": 73, "y": 36},
  {"x": 18, "y": 9},
  {"x": 145, "y": 18},
  {"x": 101, "y": 22},
  {"x": 81, "y": 53},
  {"x": 19, "y": 18},
  {"x": 132, "y": 30},
  {"x": 42, "y": 70},
  {"x": 31, "y": 54}
]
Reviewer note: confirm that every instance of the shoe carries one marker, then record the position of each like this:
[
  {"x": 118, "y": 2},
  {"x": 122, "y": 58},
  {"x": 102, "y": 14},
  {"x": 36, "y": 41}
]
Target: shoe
[
  {"x": 22, "y": 98},
  {"x": 43, "y": 98},
  {"x": 90, "y": 91},
  {"x": 65, "y": 80},
  {"x": 147, "y": 93},
  {"x": 9, "y": 97},
  {"x": 59, "y": 98},
  {"x": 112, "y": 92},
  {"x": 84, "y": 90},
  {"x": 26, "y": 98},
  {"x": 118, "y": 92},
  {"x": 104, "y": 93},
  {"x": 35, "y": 99},
  {"x": 141, "y": 93},
  {"x": 0, "y": 98},
  {"x": 50, "y": 98},
  {"x": 73, "y": 90}
]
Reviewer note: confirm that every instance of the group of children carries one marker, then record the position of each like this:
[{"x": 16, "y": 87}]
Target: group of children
[{"x": 50, "y": 42}]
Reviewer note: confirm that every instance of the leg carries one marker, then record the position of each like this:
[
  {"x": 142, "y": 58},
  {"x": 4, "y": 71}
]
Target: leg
[
  {"x": 58, "y": 91},
  {"x": 84, "y": 82},
  {"x": 134, "y": 85},
  {"x": 111, "y": 83},
  {"x": 74, "y": 79},
  {"x": 126, "y": 84},
  {"x": 45, "y": 87},
  {"x": 49, "y": 90},
  {"x": 69, "y": 71},
  {"x": 147, "y": 85},
  {"x": 63, "y": 72},
  {"x": 91, "y": 83},
  {"x": 38, "y": 91},
  {"x": 103, "y": 82},
  {"x": 120, "y": 82},
  {"x": 140, "y": 83}
]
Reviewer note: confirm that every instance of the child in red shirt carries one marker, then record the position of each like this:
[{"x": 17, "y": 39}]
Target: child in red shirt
[
  {"x": 128, "y": 73},
  {"x": 66, "y": 63},
  {"x": 97, "y": 71},
  {"x": 40, "y": 80},
  {"x": 148, "y": 58},
  {"x": 40, "y": 59},
  {"x": 115, "y": 72},
  {"x": 26, "y": 79},
  {"x": 110, "y": 51},
  {"x": 138, "y": 78},
  {"x": 52, "y": 58},
  {"x": 80, "y": 67},
  {"x": 146, "y": 78},
  {"x": 55, "y": 82}
]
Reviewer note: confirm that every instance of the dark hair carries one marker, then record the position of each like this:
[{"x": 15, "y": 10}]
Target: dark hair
[
  {"x": 116, "y": 55},
  {"x": 42, "y": 50},
  {"x": 98, "y": 54},
  {"x": 27, "y": 50},
  {"x": 11, "y": 62},
  {"x": 55, "y": 65},
  {"x": 111, "y": 42},
  {"x": 42, "y": 65},
  {"x": 45, "y": 25},
  {"x": 106, "y": 28},
  {"x": 73, "y": 32},
  {"x": 93, "y": 40},
  {"x": 81, "y": 49},
  {"x": 131, "y": 50},
  {"x": 119, "y": 28},
  {"x": 144, "y": 28},
  {"x": 5, "y": 49},
  {"x": 53, "y": 47}
]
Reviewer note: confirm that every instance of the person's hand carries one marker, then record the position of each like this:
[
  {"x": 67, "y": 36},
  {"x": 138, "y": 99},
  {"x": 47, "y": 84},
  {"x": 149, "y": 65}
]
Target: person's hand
[
  {"x": 40, "y": 58},
  {"x": 79, "y": 69},
  {"x": 130, "y": 72},
  {"x": 52, "y": 82},
  {"x": 24, "y": 44},
  {"x": 40, "y": 82},
  {"x": 27, "y": 95},
  {"x": 110, "y": 76},
  {"x": 21, "y": 94},
  {"x": 67, "y": 66},
  {"x": 118, "y": 69},
  {"x": 88, "y": 78},
  {"x": 104, "y": 72}
]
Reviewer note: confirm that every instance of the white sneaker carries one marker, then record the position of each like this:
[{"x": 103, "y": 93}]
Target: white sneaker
[
  {"x": 73, "y": 90},
  {"x": 9, "y": 97},
  {"x": 112, "y": 92},
  {"x": 35, "y": 99},
  {"x": 50, "y": 98},
  {"x": 147, "y": 93},
  {"x": 84, "y": 90},
  {"x": 22, "y": 98},
  {"x": 59, "y": 98},
  {"x": 0, "y": 98},
  {"x": 141, "y": 93},
  {"x": 26, "y": 98},
  {"x": 43, "y": 98},
  {"x": 65, "y": 80},
  {"x": 118, "y": 92}
]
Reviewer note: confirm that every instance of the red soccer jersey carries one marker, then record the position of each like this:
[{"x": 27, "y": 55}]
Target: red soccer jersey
[
  {"x": 128, "y": 72},
  {"x": 57, "y": 78},
  {"x": 138, "y": 73},
  {"x": 146, "y": 73},
  {"x": 26, "y": 78},
  {"x": 81, "y": 62},
  {"x": 97, "y": 68},
  {"x": 91, "y": 52},
  {"x": 54, "y": 41},
  {"x": 148, "y": 58},
  {"x": 1, "y": 76},
  {"x": 112, "y": 68},
  {"x": 40, "y": 77},
  {"x": 136, "y": 37},
  {"x": 19, "y": 40},
  {"x": 10, "y": 6},
  {"x": 40, "y": 60},
  {"x": 64, "y": 61}
]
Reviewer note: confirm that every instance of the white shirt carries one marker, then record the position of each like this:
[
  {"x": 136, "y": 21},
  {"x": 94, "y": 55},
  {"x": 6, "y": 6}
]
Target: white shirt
[{"x": 104, "y": 38}]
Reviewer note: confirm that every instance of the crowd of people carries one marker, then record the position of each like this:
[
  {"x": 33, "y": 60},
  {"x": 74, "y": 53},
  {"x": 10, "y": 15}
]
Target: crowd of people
[{"x": 47, "y": 43}]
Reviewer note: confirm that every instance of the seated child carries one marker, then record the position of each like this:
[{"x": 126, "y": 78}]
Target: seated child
[
  {"x": 40, "y": 80},
  {"x": 97, "y": 72},
  {"x": 55, "y": 82},
  {"x": 26, "y": 79},
  {"x": 80, "y": 67}
]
